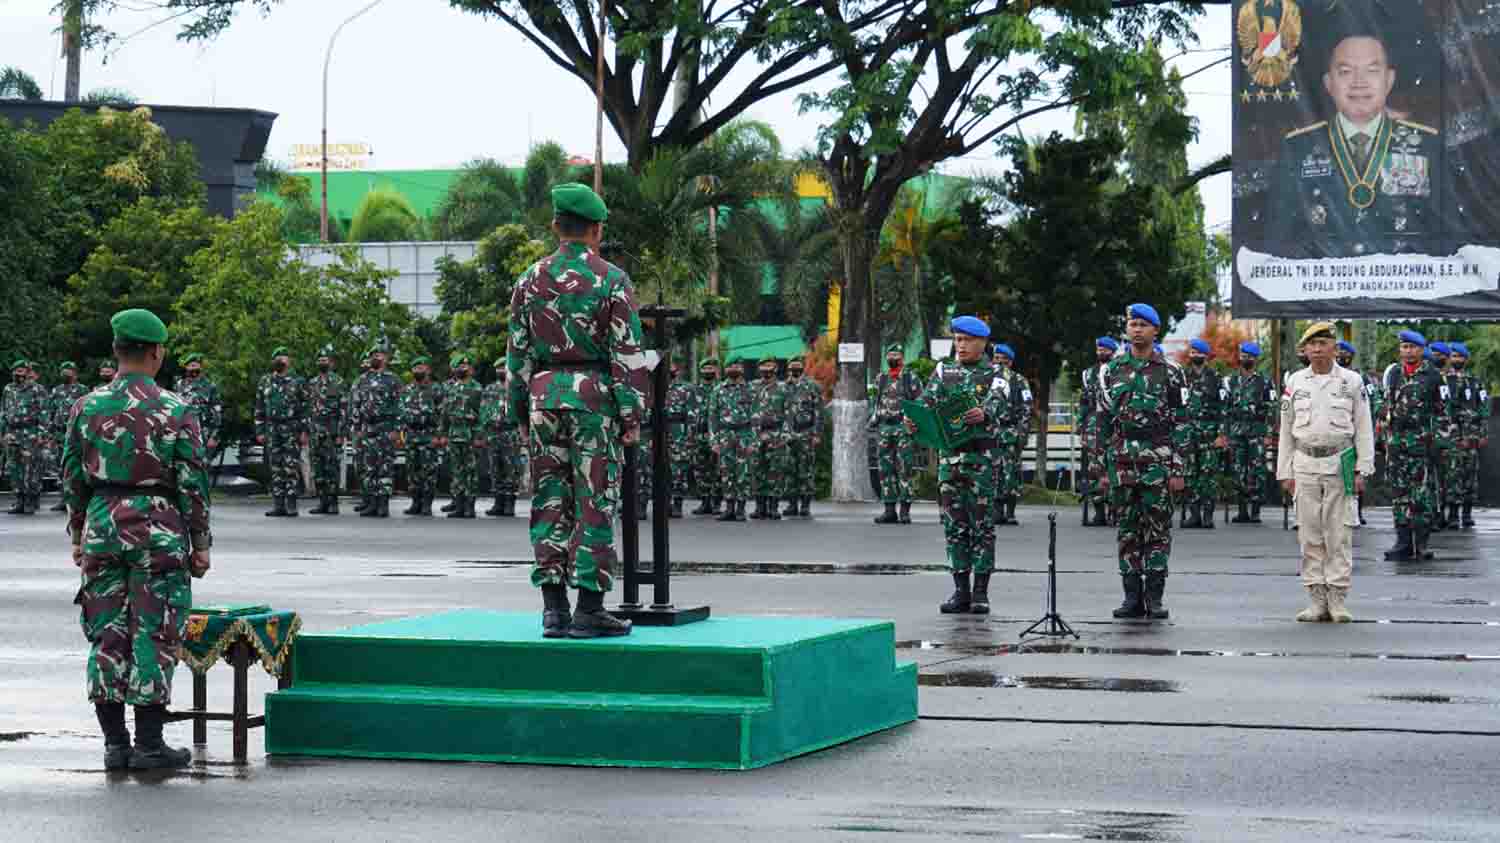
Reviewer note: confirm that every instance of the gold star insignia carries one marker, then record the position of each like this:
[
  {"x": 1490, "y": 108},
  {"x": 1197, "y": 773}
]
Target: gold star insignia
[{"x": 1245, "y": 96}]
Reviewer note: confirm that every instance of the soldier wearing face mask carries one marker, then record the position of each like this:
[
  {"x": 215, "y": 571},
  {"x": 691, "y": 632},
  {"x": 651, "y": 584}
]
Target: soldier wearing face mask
[
  {"x": 281, "y": 425},
  {"x": 1345, "y": 356},
  {"x": 1249, "y": 416},
  {"x": 893, "y": 436},
  {"x": 734, "y": 440},
  {"x": 706, "y": 459},
  {"x": 329, "y": 397}
]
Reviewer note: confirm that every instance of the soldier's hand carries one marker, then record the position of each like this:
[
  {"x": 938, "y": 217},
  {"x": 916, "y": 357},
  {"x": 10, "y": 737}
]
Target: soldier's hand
[
  {"x": 1222, "y": 441},
  {"x": 1289, "y": 486},
  {"x": 974, "y": 415},
  {"x": 631, "y": 435},
  {"x": 1176, "y": 484},
  {"x": 260, "y": 440},
  {"x": 78, "y": 555},
  {"x": 1359, "y": 484},
  {"x": 213, "y": 444},
  {"x": 302, "y": 439},
  {"x": 199, "y": 564}
]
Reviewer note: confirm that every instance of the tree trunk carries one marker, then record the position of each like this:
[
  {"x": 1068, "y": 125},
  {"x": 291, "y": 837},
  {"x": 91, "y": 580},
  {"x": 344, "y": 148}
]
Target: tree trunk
[
  {"x": 851, "y": 475},
  {"x": 916, "y": 288},
  {"x": 73, "y": 49},
  {"x": 1043, "y": 398}
]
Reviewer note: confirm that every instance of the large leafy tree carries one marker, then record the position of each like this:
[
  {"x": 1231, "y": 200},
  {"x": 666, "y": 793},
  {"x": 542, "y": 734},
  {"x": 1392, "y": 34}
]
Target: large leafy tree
[
  {"x": 28, "y": 246},
  {"x": 17, "y": 84},
  {"x": 483, "y": 197},
  {"x": 475, "y": 294},
  {"x": 794, "y": 240},
  {"x": 919, "y": 223},
  {"x": 384, "y": 216}
]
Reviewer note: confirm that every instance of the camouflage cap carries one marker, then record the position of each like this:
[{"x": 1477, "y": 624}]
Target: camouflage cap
[
  {"x": 138, "y": 325},
  {"x": 580, "y": 201},
  {"x": 328, "y": 351}
]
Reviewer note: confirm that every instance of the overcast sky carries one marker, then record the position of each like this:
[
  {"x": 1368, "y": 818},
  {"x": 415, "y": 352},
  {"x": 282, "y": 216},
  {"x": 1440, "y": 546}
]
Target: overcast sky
[{"x": 429, "y": 87}]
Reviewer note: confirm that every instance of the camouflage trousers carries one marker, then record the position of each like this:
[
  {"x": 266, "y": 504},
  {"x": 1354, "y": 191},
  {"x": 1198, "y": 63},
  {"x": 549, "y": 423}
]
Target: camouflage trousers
[
  {"x": 1247, "y": 459},
  {"x": 1093, "y": 457},
  {"x": 507, "y": 461},
  {"x": 1006, "y": 462},
  {"x": 801, "y": 465},
  {"x": 966, "y": 500},
  {"x": 576, "y": 462},
  {"x": 768, "y": 465},
  {"x": 1202, "y": 470},
  {"x": 1461, "y": 475},
  {"x": 284, "y": 460},
  {"x": 134, "y": 610},
  {"x": 682, "y": 449},
  {"x": 463, "y": 468},
  {"x": 1413, "y": 494},
  {"x": 897, "y": 458},
  {"x": 379, "y": 475},
  {"x": 1144, "y": 505},
  {"x": 736, "y": 448},
  {"x": 705, "y": 468},
  {"x": 424, "y": 463},
  {"x": 24, "y": 454},
  {"x": 326, "y": 457},
  {"x": 357, "y": 457}
]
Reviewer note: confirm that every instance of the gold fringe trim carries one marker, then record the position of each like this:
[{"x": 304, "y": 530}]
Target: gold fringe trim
[{"x": 273, "y": 662}]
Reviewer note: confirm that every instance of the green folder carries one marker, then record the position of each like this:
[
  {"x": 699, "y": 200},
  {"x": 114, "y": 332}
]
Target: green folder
[
  {"x": 942, "y": 427},
  {"x": 1347, "y": 460}
]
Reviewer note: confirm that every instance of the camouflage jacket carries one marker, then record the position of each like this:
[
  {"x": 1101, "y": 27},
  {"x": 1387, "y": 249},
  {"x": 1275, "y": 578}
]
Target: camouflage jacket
[
  {"x": 885, "y": 411},
  {"x": 768, "y": 413},
  {"x": 1450, "y": 426},
  {"x": 1252, "y": 408},
  {"x": 24, "y": 408},
  {"x": 492, "y": 415},
  {"x": 462, "y": 405},
  {"x": 706, "y": 393},
  {"x": 575, "y": 338},
  {"x": 1090, "y": 397},
  {"x": 330, "y": 403},
  {"x": 682, "y": 409},
  {"x": 375, "y": 402},
  {"x": 1376, "y": 395},
  {"x": 1414, "y": 404},
  {"x": 1143, "y": 407},
  {"x": 982, "y": 379},
  {"x": 1466, "y": 401},
  {"x": 421, "y": 408},
  {"x": 805, "y": 405},
  {"x": 281, "y": 401},
  {"x": 60, "y": 405},
  {"x": 1013, "y": 416},
  {"x": 732, "y": 406},
  {"x": 1206, "y": 397},
  {"x": 132, "y": 433},
  {"x": 203, "y": 395}
]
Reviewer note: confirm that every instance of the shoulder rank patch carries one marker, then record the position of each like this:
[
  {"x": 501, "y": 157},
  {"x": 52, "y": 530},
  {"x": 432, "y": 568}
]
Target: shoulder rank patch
[
  {"x": 1418, "y": 126},
  {"x": 1305, "y": 129}
]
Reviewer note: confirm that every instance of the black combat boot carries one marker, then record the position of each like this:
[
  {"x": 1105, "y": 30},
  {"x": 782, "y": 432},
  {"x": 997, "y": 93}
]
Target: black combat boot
[
  {"x": 961, "y": 600},
  {"x": 1243, "y": 516},
  {"x": 759, "y": 513},
  {"x": 1156, "y": 586},
  {"x": 1468, "y": 515},
  {"x": 510, "y": 506},
  {"x": 790, "y": 510},
  {"x": 806, "y": 506},
  {"x": 151, "y": 752},
  {"x": 556, "y": 614},
  {"x": 997, "y": 513},
  {"x": 291, "y": 506},
  {"x": 676, "y": 508},
  {"x": 372, "y": 509},
  {"x": 979, "y": 602},
  {"x": 1208, "y": 515},
  {"x": 278, "y": 507},
  {"x": 1255, "y": 512},
  {"x": 364, "y": 503},
  {"x": 1194, "y": 518},
  {"x": 1010, "y": 513},
  {"x": 739, "y": 509},
  {"x": 333, "y": 505},
  {"x": 469, "y": 502},
  {"x": 416, "y": 505},
  {"x": 58, "y": 507},
  {"x": 321, "y": 508},
  {"x": 19, "y": 507},
  {"x": 772, "y": 513},
  {"x": 460, "y": 507},
  {"x": 1401, "y": 551},
  {"x": 715, "y": 504},
  {"x": 1101, "y": 518},
  {"x": 1134, "y": 605},
  {"x": 494, "y": 509},
  {"x": 728, "y": 511},
  {"x": 889, "y": 516},
  {"x": 703, "y": 508},
  {"x": 591, "y": 621},
  {"x": 905, "y": 512},
  {"x": 1423, "y": 535},
  {"x": 1453, "y": 520},
  {"x": 116, "y": 736},
  {"x": 451, "y": 505}
]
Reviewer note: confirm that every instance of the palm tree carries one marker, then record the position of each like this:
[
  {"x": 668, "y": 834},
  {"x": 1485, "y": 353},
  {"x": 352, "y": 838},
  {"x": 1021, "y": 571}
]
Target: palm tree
[
  {"x": 917, "y": 226},
  {"x": 110, "y": 96},
  {"x": 546, "y": 167},
  {"x": 796, "y": 240},
  {"x": 384, "y": 216},
  {"x": 483, "y": 197},
  {"x": 17, "y": 84}
]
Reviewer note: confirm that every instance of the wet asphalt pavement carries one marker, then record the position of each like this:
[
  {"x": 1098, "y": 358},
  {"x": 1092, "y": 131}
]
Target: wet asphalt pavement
[{"x": 1229, "y": 722}]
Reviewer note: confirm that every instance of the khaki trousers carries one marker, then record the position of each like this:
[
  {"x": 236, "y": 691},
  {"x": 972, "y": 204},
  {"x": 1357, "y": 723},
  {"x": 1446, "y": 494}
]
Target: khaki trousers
[{"x": 1323, "y": 530}]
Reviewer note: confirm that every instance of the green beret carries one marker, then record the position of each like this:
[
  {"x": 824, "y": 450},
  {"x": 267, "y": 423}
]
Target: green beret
[
  {"x": 137, "y": 325},
  {"x": 896, "y": 347},
  {"x": 708, "y": 361},
  {"x": 66, "y": 365},
  {"x": 500, "y": 363},
  {"x": 422, "y": 360},
  {"x": 280, "y": 351},
  {"x": 580, "y": 201},
  {"x": 459, "y": 360},
  {"x": 19, "y": 364},
  {"x": 191, "y": 357},
  {"x": 107, "y": 364}
]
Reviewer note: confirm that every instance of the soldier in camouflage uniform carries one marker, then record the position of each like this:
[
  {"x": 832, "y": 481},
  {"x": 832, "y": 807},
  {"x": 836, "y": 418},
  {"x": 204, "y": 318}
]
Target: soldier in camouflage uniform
[
  {"x": 893, "y": 441},
  {"x": 328, "y": 398},
  {"x": 1143, "y": 406},
  {"x": 1470, "y": 402},
  {"x": 1415, "y": 404},
  {"x": 1376, "y": 397},
  {"x": 136, "y": 487},
  {"x": 1449, "y": 435},
  {"x": 769, "y": 419},
  {"x": 1086, "y": 422},
  {"x": 1012, "y": 428},
  {"x": 705, "y": 459},
  {"x": 1201, "y": 436},
  {"x": 60, "y": 405},
  {"x": 645, "y": 461},
  {"x": 805, "y": 409},
  {"x": 281, "y": 426},
  {"x": 356, "y": 436},
  {"x": 506, "y": 450},
  {"x": 681, "y": 418},
  {"x": 23, "y": 430},
  {"x": 375, "y": 409},
  {"x": 421, "y": 404},
  {"x": 577, "y": 376},
  {"x": 734, "y": 439},
  {"x": 966, "y": 475},
  {"x": 1248, "y": 418},
  {"x": 461, "y": 434}
]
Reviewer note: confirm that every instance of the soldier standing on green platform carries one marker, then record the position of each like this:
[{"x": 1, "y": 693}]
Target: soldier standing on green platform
[
  {"x": 966, "y": 475},
  {"x": 60, "y": 405},
  {"x": 136, "y": 487},
  {"x": 1469, "y": 401},
  {"x": 705, "y": 459},
  {"x": 577, "y": 376},
  {"x": 421, "y": 403},
  {"x": 769, "y": 419},
  {"x": 23, "y": 430},
  {"x": 376, "y": 409},
  {"x": 1143, "y": 407},
  {"x": 1086, "y": 420},
  {"x": 805, "y": 409},
  {"x": 506, "y": 450},
  {"x": 329, "y": 400},
  {"x": 895, "y": 449},
  {"x": 682, "y": 415},
  {"x": 1012, "y": 428},
  {"x": 1345, "y": 357},
  {"x": 1201, "y": 436},
  {"x": 461, "y": 434},
  {"x": 734, "y": 440},
  {"x": 1249, "y": 416},
  {"x": 281, "y": 426}
]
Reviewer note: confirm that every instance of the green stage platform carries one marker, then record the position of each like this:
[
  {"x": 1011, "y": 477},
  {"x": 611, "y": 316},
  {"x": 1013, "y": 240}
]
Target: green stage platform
[{"x": 727, "y": 693}]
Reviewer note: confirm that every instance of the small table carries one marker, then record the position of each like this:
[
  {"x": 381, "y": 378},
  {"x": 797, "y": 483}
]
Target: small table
[{"x": 238, "y": 634}]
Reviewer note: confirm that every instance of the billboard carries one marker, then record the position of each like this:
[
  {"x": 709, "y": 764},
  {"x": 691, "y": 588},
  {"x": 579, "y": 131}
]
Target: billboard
[
  {"x": 341, "y": 156},
  {"x": 1366, "y": 171}
]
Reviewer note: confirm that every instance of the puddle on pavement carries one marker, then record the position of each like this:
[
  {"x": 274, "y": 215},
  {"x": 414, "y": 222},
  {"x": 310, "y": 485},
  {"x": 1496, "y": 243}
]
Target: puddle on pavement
[
  {"x": 410, "y": 576},
  {"x": 1016, "y": 824},
  {"x": 990, "y": 679},
  {"x": 1086, "y": 650},
  {"x": 1433, "y": 699},
  {"x": 12, "y": 737}
]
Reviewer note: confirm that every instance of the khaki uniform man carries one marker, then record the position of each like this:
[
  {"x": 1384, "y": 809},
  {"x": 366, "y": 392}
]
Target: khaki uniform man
[{"x": 1324, "y": 411}]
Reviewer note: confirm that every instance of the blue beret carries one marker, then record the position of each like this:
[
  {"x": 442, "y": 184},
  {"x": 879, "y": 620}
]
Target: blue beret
[
  {"x": 1413, "y": 337},
  {"x": 1002, "y": 348},
  {"x": 1156, "y": 347},
  {"x": 1250, "y": 349},
  {"x": 1201, "y": 345},
  {"x": 1426, "y": 354},
  {"x": 1346, "y": 346},
  {"x": 1107, "y": 342},
  {"x": 1143, "y": 311},
  {"x": 971, "y": 326},
  {"x": 1460, "y": 349},
  {"x": 1439, "y": 348}
]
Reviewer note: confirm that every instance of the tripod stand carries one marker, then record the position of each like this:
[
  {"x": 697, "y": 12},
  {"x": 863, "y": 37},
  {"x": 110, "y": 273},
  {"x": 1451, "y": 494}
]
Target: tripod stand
[{"x": 1051, "y": 623}]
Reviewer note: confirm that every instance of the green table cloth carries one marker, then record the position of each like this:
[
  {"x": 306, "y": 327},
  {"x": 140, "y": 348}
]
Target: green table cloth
[{"x": 212, "y": 629}]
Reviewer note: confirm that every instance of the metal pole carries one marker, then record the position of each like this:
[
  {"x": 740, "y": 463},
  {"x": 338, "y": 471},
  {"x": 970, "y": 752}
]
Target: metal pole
[
  {"x": 661, "y": 557},
  {"x": 327, "y": 58},
  {"x": 599, "y": 102}
]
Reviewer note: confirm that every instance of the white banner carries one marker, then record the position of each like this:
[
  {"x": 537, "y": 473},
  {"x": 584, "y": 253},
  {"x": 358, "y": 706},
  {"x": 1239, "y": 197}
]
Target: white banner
[
  {"x": 1475, "y": 269},
  {"x": 851, "y": 352}
]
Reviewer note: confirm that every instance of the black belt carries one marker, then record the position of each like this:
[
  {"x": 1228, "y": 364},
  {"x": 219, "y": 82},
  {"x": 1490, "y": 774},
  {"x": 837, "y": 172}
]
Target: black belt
[
  {"x": 977, "y": 445},
  {"x": 121, "y": 490}
]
